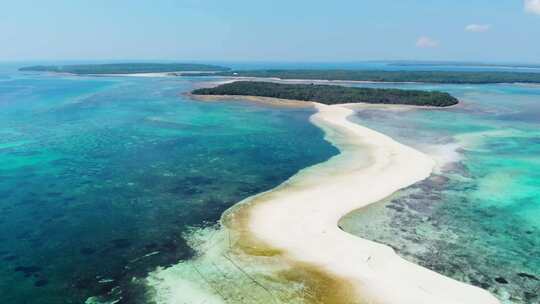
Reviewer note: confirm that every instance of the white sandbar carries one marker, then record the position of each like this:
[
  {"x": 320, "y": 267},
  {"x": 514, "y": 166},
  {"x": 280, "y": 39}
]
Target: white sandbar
[{"x": 300, "y": 217}]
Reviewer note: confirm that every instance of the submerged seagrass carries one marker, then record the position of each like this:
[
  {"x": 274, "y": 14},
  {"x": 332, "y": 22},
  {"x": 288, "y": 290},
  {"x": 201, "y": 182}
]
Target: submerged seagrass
[
  {"x": 101, "y": 177},
  {"x": 478, "y": 219}
]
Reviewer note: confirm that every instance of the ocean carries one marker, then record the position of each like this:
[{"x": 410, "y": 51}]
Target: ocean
[
  {"x": 477, "y": 219},
  {"x": 102, "y": 178}
]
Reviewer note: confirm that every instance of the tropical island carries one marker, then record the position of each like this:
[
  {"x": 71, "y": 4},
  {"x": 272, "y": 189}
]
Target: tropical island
[
  {"x": 126, "y": 68},
  {"x": 449, "y": 77},
  {"x": 464, "y": 64},
  {"x": 194, "y": 69},
  {"x": 331, "y": 94}
]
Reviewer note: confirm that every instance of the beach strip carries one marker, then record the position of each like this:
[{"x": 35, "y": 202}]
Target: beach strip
[{"x": 299, "y": 218}]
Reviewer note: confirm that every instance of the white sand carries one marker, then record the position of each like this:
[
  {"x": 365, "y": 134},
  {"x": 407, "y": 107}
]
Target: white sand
[
  {"x": 149, "y": 75},
  {"x": 271, "y": 101},
  {"x": 157, "y": 74},
  {"x": 300, "y": 217}
]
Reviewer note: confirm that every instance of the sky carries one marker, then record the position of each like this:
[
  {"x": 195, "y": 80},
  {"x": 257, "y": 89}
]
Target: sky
[{"x": 271, "y": 30}]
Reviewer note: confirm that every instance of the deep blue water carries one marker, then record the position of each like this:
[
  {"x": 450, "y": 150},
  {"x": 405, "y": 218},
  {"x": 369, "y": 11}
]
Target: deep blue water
[{"x": 99, "y": 177}]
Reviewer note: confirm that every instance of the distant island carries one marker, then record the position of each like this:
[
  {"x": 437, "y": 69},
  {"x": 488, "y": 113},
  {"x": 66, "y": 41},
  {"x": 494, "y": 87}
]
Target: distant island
[
  {"x": 193, "y": 69},
  {"x": 126, "y": 68},
  {"x": 331, "y": 94},
  {"x": 465, "y": 64},
  {"x": 448, "y": 77}
]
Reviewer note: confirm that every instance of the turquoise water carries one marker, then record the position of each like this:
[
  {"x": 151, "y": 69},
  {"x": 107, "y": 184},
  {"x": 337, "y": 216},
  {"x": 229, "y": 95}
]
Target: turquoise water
[
  {"x": 478, "y": 218},
  {"x": 100, "y": 177}
]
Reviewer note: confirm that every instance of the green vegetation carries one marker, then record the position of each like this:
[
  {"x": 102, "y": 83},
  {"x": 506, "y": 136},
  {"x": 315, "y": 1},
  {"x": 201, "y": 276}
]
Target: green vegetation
[
  {"x": 331, "y": 94},
  {"x": 463, "y": 64},
  {"x": 393, "y": 76},
  {"x": 125, "y": 68}
]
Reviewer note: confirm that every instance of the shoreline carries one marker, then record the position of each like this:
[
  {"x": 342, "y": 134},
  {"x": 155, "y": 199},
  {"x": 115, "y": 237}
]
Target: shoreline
[
  {"x": 270, "y": 101},
  {"x": 285, "y": 246},
  {"x": 298, "y": 221},
  {"x": 295, "y": 103},
  {"x": 282, "y": 80},
  {"x": 142, "y": 74},
  {"x": 151, "y": 74},
  {"x": 337, "y": 81}
]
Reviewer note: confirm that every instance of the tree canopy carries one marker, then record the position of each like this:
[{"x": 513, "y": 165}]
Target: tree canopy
[
  {"x": 331, "y": 94},
  {"x": 451, "y": 77},
  {"x": 125, "y": 68}
]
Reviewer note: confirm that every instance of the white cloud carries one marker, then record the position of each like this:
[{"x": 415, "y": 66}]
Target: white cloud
[
  {"x": 532, "y": 6},
  {"x": 478, "y": 28},
  {"x": 426, "y": 42}
]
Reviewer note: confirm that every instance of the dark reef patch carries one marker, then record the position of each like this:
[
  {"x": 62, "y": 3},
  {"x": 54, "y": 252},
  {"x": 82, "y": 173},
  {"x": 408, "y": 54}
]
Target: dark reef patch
[
  {"x": 111, "y": 194},
  {"x": 41, "y": 283},
  {"x": 419, "y": 223},
  {"x": 11, "y": 257},
  {"x": 121, "y": 243},
  {"x": 528, "y": 276},
  {"x": 28, "y": 271},
  {"x": 87, "y": 251}
]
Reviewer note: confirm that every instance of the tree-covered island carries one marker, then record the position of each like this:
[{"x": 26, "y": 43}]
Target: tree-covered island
[
  {"x": 126, "y": 68},
  {"x": 450, "y": 77},
  {"x": 331, "y": 94}
]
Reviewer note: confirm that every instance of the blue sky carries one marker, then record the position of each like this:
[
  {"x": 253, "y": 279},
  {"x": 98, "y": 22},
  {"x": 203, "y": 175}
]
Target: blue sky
[{"x": 272, "y": 30}]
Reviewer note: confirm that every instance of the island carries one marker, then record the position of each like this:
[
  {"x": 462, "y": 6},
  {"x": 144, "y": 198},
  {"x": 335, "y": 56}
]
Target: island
[
  {"x": 330, "y": 94},
  {"x": 126, "y": 68},
  {"x": 446, "y": 77},
  {"x": 464, "y": 64}
]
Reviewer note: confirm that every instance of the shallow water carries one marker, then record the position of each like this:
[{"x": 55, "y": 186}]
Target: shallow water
[
  {"x": 100, "y": 178},
  {"x": 478, "y": 218},
  {"x": 103, "y": 179}
]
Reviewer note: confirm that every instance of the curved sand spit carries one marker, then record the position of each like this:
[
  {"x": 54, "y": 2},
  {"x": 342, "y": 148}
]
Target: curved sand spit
[{"x": 300, "y": 217}]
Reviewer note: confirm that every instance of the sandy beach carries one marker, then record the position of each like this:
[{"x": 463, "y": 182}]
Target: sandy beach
[
  {"x": 299, "y": 218},
  {"x": 276, "y": 102},
  {"x": 288, "y": 239},
  {"x": 154, "y": 74}
]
